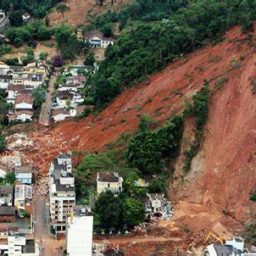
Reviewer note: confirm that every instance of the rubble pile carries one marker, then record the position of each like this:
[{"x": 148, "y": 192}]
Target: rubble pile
[
  {"x": 12, "y": 160},
  {"x": 18, "y": 141}
]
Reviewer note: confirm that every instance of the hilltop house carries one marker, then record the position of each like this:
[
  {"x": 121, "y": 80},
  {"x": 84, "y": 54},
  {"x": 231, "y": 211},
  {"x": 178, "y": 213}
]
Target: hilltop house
[
  {"x": 96, "y": 39},
  {"x": 109, "y": 181}
]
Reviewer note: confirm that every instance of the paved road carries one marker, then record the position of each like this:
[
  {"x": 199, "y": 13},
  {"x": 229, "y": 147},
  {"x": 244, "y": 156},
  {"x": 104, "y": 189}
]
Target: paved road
[
  {"x": 48, "y": 244},
  {"x": 45, "y": 114},
  {"x": 3, "y": 21}
]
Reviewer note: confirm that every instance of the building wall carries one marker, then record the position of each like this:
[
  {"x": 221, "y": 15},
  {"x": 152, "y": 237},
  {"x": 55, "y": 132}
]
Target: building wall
[{"x": 115, "y": 187}]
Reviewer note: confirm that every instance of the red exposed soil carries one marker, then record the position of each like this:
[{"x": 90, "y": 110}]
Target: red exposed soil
[{"x": 215, "y": 194}]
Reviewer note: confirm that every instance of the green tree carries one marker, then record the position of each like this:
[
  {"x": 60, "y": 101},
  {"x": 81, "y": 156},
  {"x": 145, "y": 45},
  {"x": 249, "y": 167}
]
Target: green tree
[
  {"x": 89, "y": 60},
  {"x": 109, "y": 209},
  {"x": 67, "y": 42},
  {"x": 10, "y": 178},
  {"x": 39, "y": 96},
  {"x": 133, "y": 213},
  {"x": 2, "y": 143},
  {"x": 62, "y": 8},
  {"x": 16, "y": 19}
]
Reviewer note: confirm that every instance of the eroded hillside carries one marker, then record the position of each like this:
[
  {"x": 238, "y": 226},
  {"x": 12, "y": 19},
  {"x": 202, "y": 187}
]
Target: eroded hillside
[
  {"x": 214, "y": 195},
  {"x": 81, "y": 11}
]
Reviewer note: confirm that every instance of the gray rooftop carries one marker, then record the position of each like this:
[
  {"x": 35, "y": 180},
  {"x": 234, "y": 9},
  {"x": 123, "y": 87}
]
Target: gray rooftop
[{"x": 7, "y": 210}]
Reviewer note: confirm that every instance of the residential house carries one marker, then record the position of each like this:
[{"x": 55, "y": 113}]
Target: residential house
[
  {"x": 61, "y": 192},
  {"x": 24, "y": 174},
  {"x": 109, "y": 181},
  {"x": 23, "y": 196},
  {"x": 64, "y": 98},
  {"x": 6, "y": 195},
  {"x": 24, "y": 107},
  {"x": 4, "y": 69},
  {"x": 79, "y": 234},
  {"x": 60, "y": 114},
  {"x": 17, "y": 244},
  {"x": 4, "y": 81},
  {"x": 26, "y": 17},
  {"x": 96, "y": 39},
  {"x": 13, "y": 90},
  {"x": 7, "y": 213}
]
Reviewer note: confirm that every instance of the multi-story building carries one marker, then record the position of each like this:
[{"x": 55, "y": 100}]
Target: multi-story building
[
  {"x": 79, "y": 234},
  {"x": 16, "y": 244},
  {"x": 61, "y": 192}
]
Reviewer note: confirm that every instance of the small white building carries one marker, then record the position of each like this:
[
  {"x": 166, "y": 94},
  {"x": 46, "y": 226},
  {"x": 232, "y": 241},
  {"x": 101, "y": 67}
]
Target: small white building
[
  {"x": 79, "y": 235},
  {"x": 24, "y": 107},
  {"x": 13, "y": 90},
  {"x": 4, "y": 81},
  {"x": 109, "y": 181},
  {"x": 96, "y": 39},
  {"x": 60, "y": 114}
]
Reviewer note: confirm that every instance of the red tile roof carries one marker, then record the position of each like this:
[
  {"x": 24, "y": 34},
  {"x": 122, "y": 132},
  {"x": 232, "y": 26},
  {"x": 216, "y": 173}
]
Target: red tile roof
[{"x": 24, "y": 98}]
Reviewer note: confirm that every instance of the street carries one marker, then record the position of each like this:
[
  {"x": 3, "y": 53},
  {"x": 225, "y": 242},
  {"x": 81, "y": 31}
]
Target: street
[
  {"x": 44, "y": 118},
  {"x": 48, "y": 244}
]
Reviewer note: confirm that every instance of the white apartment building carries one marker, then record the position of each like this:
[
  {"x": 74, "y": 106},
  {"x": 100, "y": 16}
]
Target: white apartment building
[
  {"x": 61, "y": 192},
  {"x": 79, "y": 235}
]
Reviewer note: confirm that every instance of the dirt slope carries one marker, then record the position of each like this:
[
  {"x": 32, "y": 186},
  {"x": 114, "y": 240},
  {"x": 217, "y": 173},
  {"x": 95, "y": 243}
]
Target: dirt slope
[
  {"x": 214, "y": 195},
  {"x": 81, "y": 11}
]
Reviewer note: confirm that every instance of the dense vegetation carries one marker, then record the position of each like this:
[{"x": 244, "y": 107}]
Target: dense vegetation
[
  {"x": 148, "y": 47},
  {"x": 29, "y": 33},
  {"x": 147, "y": 150},
  {"x": 199, "y": 110},
  {"x": 37, "y": 8},
  {"x": 67, "y": 42},
  {"x": 118, "y": 212}
]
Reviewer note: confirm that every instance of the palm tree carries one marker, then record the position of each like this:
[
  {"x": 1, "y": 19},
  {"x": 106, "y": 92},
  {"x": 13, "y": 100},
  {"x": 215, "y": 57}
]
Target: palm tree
[{"x": 62, "y": 8}]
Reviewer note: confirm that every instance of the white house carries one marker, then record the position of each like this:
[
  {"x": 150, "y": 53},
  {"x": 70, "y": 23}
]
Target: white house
[
  {"x": 60, "y": 114},
  {"x": 79, "y": 235},
  {"x": 13, "y": 90},
  {"x": 24, "y": 107},
  {"x": 63, "y": 98},
  {"x": 96, "y": 39},
  {"x": 109, "y": 181},
  {"x": 4, "y": 81}
]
